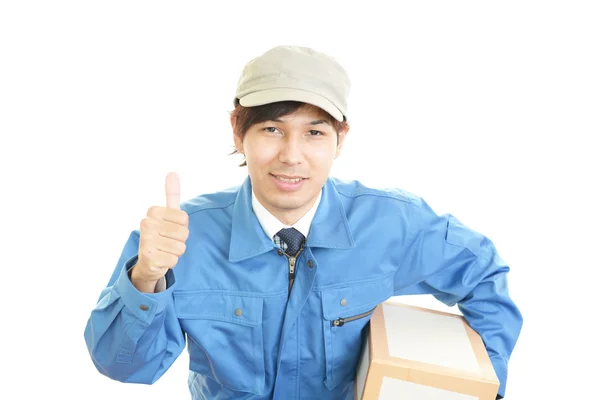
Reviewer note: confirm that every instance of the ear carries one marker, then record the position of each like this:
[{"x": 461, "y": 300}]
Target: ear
[
  {"x": 239, "y": 143},
  {"x": 341, "y": 137}
]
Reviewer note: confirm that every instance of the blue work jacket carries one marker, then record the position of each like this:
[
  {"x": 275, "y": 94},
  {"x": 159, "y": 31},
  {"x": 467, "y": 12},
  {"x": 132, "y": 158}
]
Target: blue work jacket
[{"x": 250, "y": 337}]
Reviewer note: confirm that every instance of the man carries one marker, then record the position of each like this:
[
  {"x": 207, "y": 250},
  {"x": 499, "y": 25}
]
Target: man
[{"x": 256, "y": 276}]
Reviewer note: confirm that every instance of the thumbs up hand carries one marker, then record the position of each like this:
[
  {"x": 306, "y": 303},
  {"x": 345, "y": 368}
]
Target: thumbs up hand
[{"x": 163, "y": 233}]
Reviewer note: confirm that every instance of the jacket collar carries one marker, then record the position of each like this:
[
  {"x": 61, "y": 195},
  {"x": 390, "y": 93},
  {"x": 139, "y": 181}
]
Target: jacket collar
[{"x": 329, "y": 228}]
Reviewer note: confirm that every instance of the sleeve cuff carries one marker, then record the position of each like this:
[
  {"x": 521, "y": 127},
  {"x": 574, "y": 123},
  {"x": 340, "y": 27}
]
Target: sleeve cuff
[
  {"x": 143, "y": 305},
  {"x": 161, "y": 285}
]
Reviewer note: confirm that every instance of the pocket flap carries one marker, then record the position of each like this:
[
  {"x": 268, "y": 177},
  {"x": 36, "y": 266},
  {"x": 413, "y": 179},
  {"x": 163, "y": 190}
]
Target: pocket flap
[
  {"x": 360, "y": 297},
  {"x": 234, "y": 308}
]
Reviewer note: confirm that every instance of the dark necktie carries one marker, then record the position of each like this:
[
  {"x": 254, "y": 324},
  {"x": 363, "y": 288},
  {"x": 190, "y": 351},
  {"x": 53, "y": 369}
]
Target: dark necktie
[{"x": 293, "y": 239}]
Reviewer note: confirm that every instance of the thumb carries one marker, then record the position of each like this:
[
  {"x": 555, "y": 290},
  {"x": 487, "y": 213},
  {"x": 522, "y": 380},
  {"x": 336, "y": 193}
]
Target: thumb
[{"x": 172, "y": 190}]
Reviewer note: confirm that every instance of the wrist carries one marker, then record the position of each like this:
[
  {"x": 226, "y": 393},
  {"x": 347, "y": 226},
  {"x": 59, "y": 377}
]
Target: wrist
[{"x": 141, "y": 284}]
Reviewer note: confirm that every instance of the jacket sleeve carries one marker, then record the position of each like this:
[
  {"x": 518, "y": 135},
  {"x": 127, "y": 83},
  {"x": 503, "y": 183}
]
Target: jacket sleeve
[
  {"x": 133, "y": 336},
  {"x": 462, "y": 267}
]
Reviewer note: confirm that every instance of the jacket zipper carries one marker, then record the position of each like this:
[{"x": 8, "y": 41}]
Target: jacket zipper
[
  {"x": 292, "y": 265},
  {"x": 342, "y": 321}
]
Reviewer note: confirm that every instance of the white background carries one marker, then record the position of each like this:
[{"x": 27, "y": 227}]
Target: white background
[{"x": 488, "y": 110}]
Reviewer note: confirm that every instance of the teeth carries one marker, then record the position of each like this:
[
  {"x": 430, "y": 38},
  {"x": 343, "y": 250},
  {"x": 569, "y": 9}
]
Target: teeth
[{"x": 288, "y": 180}]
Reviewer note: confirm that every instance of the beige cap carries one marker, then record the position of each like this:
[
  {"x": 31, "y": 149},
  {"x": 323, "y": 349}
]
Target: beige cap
[{"x": 295, "y": 73}]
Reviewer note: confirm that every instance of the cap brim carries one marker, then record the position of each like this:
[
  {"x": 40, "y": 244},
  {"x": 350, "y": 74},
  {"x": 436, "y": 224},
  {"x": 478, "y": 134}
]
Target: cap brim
[{"x": 283, "y": 94}]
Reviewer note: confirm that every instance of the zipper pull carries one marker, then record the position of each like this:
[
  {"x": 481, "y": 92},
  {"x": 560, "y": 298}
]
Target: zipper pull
[
  {"x": 338, "y": 322},
  {"x": 292, "y": 261}
]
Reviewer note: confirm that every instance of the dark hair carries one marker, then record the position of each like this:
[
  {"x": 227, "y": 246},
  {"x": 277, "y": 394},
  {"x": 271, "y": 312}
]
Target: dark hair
[{"x": 246, "y": 117}]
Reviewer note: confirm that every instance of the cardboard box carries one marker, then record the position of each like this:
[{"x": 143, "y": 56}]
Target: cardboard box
[{"x": 415, "y": 353}]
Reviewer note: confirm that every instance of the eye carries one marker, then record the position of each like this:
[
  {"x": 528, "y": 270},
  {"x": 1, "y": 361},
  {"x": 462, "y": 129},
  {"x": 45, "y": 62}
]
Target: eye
[
  {"x": 271, "y": 129},
  {"x": 316, "y": 133}
]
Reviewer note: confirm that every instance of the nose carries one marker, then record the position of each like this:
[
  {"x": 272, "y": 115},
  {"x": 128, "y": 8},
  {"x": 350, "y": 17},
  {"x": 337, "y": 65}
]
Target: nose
[{"x": 291, "y": 151}]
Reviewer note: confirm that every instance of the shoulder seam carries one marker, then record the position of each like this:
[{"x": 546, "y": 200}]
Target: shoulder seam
[
  {"x": 211, "y": 207},
  {"x": 377, "y": 193}
]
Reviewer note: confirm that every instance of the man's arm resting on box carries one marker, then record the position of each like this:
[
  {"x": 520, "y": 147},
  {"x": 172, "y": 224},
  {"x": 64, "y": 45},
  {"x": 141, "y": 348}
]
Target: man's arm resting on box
[{"x": 460, "y": 266}]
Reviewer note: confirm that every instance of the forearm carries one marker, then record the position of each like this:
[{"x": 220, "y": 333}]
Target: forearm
[
  {"x": 490, "y": 311},
  {"x": 132, "y": 336}
]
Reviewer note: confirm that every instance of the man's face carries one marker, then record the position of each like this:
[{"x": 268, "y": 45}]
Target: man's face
[{"x": 289, "y": 160}]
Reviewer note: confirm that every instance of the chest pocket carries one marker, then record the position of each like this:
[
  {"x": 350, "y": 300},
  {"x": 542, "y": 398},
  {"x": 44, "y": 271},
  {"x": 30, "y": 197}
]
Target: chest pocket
[
  {"x": 346, "y": 312},
  {"x": 225, "y": 337}
]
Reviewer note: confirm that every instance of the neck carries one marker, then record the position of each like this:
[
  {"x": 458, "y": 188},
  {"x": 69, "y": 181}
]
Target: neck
[{"x": 289, "y": 216}]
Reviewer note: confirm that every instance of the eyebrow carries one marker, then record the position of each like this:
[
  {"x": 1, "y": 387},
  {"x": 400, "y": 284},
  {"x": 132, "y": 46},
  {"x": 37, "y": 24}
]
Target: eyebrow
[
  {"x": 319, "y": 122},
  {"x": 315, "y": 122}
]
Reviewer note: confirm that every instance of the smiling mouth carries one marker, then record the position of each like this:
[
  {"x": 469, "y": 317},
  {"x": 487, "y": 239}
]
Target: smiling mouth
[{"x": 287, "y": 180}]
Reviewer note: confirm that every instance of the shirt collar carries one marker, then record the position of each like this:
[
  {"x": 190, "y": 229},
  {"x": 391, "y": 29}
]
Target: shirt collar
[{"x": 271, "y": 225}]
